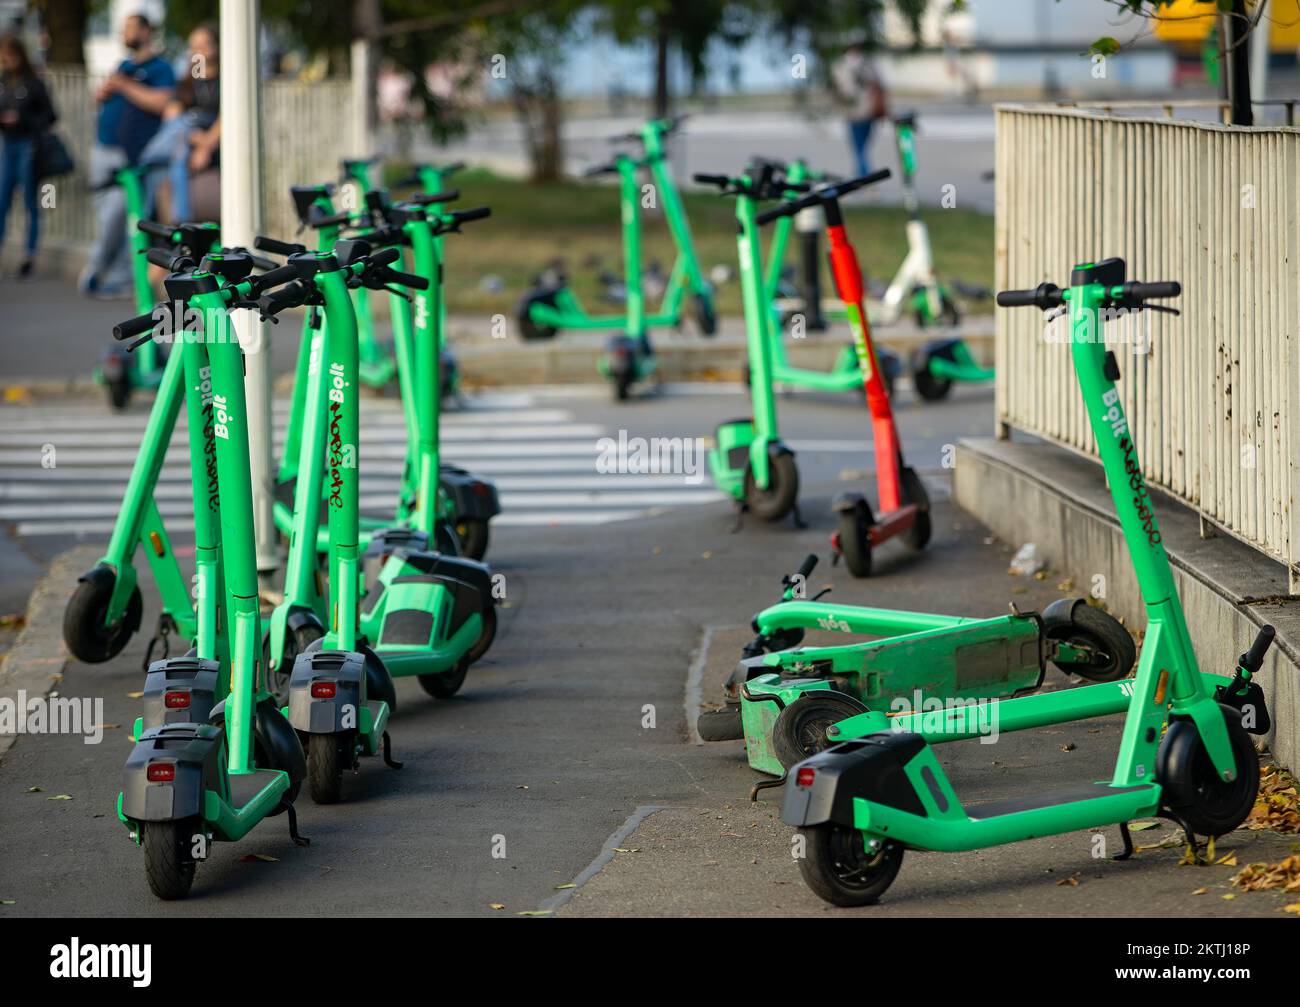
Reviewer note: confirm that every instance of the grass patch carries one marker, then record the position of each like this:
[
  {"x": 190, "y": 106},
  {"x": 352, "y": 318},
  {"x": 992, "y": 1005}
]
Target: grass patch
[{"x": 532, "y": 225}]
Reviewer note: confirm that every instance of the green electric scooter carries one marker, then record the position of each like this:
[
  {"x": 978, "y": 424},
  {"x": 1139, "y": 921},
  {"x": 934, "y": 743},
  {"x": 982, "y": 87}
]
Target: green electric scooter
[
  {"x": 749, "y": 461},
  {"x": 378, "y": 362},
  {"x": 782, "y": 697},
  {"x": 466, "y": 501},
  {"x": 552, "y": 304},
  {"x": 1185, "y": 752},
  {"x": 201, "y": 771},
  {"x": 106, "y": 608},
  {"x": 339, "y": 692}
]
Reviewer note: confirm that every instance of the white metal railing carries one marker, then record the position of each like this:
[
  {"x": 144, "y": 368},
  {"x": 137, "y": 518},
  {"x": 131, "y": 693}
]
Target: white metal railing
[
  {"x": 1214, "y": 395},
  {"x": 307, "y": 133}
]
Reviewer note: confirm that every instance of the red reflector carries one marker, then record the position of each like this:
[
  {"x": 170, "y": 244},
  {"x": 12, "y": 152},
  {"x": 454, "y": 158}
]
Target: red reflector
[
  {"x": 805, "y": 776},
  {"x": 161, "y": 772},
  {"x": 482, "y": 489},
  {"x": 176, "y": 700},
  {"x": 322, "y": 690}
]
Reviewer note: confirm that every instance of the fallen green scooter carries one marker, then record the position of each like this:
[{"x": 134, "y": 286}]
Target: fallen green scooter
[
  {"x": 1185, "y": 752},
  {"x": 220, "y": 770},
  {"x": 783, "y": 697},
  {"x": 748, "y": 460}
]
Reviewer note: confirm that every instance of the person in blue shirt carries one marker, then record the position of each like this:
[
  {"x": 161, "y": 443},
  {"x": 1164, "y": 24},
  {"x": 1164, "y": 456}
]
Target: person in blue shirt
[{"x": 131, "y": 103}]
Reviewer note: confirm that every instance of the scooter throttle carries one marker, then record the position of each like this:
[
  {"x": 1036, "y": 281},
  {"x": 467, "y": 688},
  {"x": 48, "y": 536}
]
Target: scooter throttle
[
  {"x": 277, "y": 246},
  {"x": 136, "y": 326},
  {"x": 1045, "y": 295},
  {"x": 157, "y": 230},
  {"x": 425, "y": 198},
  {"x": 289, "y": 296}
]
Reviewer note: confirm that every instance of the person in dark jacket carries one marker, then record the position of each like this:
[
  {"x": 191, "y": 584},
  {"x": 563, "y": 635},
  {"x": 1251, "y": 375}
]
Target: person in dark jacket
[
  {"x": 132, "y": 100},
  {"x": 25, "y": 113}
]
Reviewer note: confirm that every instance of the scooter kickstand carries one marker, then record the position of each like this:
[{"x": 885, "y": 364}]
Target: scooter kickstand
[
  {"x": 388, "y": 753},
  {"x": 798, "y": 518},
  {"x": 293, "y": 824},
  {"x": 740, "y": 520},
  {"x": 1128, "y": 843},
  {"x": 765, "y": 785}
]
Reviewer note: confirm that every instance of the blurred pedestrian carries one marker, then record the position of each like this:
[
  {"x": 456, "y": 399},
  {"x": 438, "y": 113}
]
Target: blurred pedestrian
[
  {"x": 132, "y": 100},
  {"x": 26, "y": 112},
  {"x": 190, "y": 137},
  {"x": 860, "y": 91}
]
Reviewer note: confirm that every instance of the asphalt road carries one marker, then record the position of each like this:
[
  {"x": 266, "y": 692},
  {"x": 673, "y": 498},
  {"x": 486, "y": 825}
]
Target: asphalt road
[{"x": 545, "y": 755}]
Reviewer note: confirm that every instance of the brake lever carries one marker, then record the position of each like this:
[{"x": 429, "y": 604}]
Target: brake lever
[
  {"x": 1161, "y": 308},
  {"x": 396, "y": 290},
  {"x": 147, "y": 337}
]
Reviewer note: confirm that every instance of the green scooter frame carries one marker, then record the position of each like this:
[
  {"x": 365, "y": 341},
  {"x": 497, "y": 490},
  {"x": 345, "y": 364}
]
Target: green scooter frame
[
  {"x": 340, "y": 694},
  {"x": 748, "y": 460},
  {"x": 378, "y": 363},
  {"x": 784, "y": 698},
  {"x": 200, "y": 773},
  {"x": 861, "y": 803},
  {"x": 106, "y": 608},
  {"x": 467, "y": 502},
  {"x": 122, "y": 373}
]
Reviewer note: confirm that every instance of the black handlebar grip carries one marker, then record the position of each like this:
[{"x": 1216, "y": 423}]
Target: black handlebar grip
[
  {"x": 276, "y": 277},
  {"x": 136, "y": 326},
  {"x": 277, "y": 246},
  {"x": 331, "y": 220},
  {"x": 1160, "y": 288},
  {"x": 405, "y": 279},
  {"x": 1253, "y": 658},
  {"x": 1017, "y": 298},
  {"x": 451, "y": 169},
  {"x": 852, "y": 184},
  {"x": 785, "y": 210},
  {"x": 720, "y": 180},
  {"x": 264, "y": 264},
  {"x": 808, "y": 566},
  {"x": 446, "y": 196},
  {"x": 600, "y": 169},
  {"x": 1044, "y": 296},
  {"x": 383, "y": 257},
  {"x": 157, "y": 230},
  {"x": 161, "y": 256},
  {"x": 473, "y": 213},
  {"x": 289, "y": 296}
]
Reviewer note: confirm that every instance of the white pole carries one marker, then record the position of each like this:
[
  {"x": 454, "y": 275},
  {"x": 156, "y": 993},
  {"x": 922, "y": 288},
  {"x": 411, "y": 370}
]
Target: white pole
[
  {"x": 362, "y": 132},
  {"x": 241, "y": 220},
  {"x": 1259, "y": 46}
]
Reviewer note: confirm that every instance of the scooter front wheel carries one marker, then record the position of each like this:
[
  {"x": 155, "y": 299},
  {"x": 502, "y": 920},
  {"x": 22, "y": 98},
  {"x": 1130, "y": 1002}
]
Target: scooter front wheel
[
  {"x": 800, "y": 729},
  {"x": 1192, "y": 789},
  {"x": 840, "y": 868},
  {"x": 447, "y": 684},
  {"x": 775, "y": 502},
  {"x": 88, "y": 636},
  {"x": 167, "y": 864}
]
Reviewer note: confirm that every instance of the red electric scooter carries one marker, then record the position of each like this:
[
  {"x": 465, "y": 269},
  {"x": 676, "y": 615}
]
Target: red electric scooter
[{"x": 904, "y": 504}]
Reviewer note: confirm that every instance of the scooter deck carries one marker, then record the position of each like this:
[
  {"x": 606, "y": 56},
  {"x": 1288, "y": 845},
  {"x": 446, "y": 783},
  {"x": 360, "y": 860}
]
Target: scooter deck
[{"x": 253, "y": 796}]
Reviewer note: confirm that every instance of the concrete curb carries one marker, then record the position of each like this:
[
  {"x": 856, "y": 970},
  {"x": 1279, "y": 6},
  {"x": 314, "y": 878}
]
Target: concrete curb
[
  {"x": 1058, "y": 500},
  {"x": 35, "y": 663}
]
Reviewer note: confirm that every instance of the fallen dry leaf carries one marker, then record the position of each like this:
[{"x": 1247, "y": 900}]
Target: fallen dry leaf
[
  {"x": 1263, "y": 877},
  {"x": 265, "y": 858}
]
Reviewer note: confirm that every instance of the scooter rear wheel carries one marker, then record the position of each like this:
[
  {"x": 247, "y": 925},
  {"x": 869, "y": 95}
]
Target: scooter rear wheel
[
  {"x": 529, "y": 329},
  {"x": 167, "y": 865},
  {"x": 1192, "y": 789},
  {"x": 854, "y": 540},
  {"x": 800, "y": 729},
  {"x": 1074, "y": 621},
  {"x": 473, "y": 535},
  {"x": 84, "y": 630},
  {"x": 775, "y": 502},
  {"x": 447, "y": 684},
  {"x": 839, "y": 868},
  {"x": 327, "y": 756}
]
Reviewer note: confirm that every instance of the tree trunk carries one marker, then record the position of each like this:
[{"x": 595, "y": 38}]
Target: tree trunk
[
  {"x": 65, "y": 21},
  {"x": 663, "y": 96},
  {"x": 538, "y": 107}
]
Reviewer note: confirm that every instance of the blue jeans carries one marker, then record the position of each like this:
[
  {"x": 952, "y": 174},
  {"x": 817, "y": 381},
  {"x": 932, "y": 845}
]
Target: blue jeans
[
  {"x": 18, "y": 167},
  {"x": 859, "y": 139},
  {"x": 170, "y": 146}
]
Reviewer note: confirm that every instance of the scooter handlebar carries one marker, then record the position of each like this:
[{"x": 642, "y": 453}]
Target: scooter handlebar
[
  {"x": 446, "y": 196},
  {"x": 277, "y": 246},
  {"x": 276, "y": 277},
  {"x": 1254, "y": 658},
  {"x": 823, "y": 194},
  {"x": 157, "y": 230},
  {"x": 473, "y": 213},
  {"x": 404, "y": 279},
  {"x": 163, "y": 257},
  {"x": 809, "y": 564},
  {"x": 331, "y": 220},
  {"x": 290, "y": 295},
  {"x": 136, "y": 326},
  {"x": 721, "y": 181},
  {"x": 1145, "y": 291},
  {"x": 1044, "y": 296}
]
